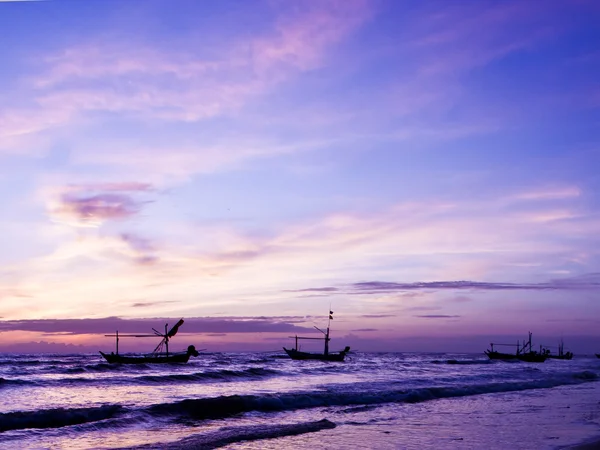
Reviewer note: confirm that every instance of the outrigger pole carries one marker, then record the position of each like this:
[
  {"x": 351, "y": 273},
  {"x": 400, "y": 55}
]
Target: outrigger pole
[
  {"x": 519, "y": 347},
  {"x": 165, "y": 341}
]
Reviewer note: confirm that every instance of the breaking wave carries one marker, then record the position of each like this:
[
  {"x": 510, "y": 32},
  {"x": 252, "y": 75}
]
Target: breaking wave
[
  {"x": 226, "y": 406},
  {"x": 55, "y": 418},
  {"x": 231, "y": 435}
]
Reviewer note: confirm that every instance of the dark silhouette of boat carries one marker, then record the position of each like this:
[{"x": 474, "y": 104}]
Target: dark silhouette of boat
[
  {"x": 561, "y": 352},
  {"x": 157, "y": 356},
  {"x": 523, "y": 353},
  {"x": 597, "y": 355},
  {"x": 296, "y": 354}
]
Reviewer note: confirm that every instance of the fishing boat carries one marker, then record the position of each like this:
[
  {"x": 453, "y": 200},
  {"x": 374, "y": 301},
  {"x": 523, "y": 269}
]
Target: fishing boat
[
  {"x": 296, "y": 354},
  {"x": 597, "y": 355},
  {"x": 158, "y": 355},
  {"x": 561, "y": 352},
  {"x": 524, "y": 352}
]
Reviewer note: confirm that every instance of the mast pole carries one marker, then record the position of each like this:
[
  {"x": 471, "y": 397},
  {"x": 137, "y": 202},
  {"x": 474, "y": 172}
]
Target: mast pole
[
  {"x": 166, "y": 339},
  {"x": 117, "y": 334}
]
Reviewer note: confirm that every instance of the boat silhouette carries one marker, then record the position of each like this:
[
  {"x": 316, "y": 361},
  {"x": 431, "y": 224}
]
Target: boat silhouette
[
  {"x": 296, "y": 354},
  {"x": 523, "y": 353},
  {"x": 561, "y": 352},
  {"x": 158, "y": 355}
]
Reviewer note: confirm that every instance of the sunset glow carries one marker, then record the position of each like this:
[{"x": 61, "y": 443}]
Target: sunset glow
[{"x": 430, "y": 170}]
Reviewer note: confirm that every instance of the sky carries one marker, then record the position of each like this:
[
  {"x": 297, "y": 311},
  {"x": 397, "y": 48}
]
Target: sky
[{"x": 427, "y": 170}]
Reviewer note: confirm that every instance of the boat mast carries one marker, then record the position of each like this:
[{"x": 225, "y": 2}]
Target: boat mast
[
  {"x": 166, "y": 339},
  {"x": 117, "y": 335},
  {"x": 327, "y": 334}
]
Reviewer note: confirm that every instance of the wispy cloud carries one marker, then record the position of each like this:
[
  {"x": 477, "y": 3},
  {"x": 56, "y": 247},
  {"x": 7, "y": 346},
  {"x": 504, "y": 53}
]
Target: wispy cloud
[
  {"x": 323, "y": 289},
  {"x": 584, "y": 282},
  {"x": 377, "y": 316},
  {"x": 567, "y": 192},
  {"x": 437, "y": 316},
  {"x": 146, "y": 80},
  {"x": 589, "y": 281}
]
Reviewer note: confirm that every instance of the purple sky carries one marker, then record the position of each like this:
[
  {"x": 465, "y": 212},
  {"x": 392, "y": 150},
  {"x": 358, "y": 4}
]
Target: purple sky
[{"x": 428, "y": 169}]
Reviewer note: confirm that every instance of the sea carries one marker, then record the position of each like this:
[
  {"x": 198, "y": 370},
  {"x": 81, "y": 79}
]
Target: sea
[{"x": 268, "y": 401}]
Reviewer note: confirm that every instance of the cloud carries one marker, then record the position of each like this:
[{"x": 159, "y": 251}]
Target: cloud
[
  {"x": 186, "y": 84},
  {"x": 377, "y": 316},
  {"x": 93, "y": 204},
  {"x": 418, "y": 240},
  {"x": 567, "y": 192},
  {"x": 151, "y": 304},
  {"x": 589, "y": 281},
  {"x": 436, "y": 316},
  {"x": 510, "y": 27},
  {"x": 323, "y": 289},
  {"x": 145, "y": 250},
  {"x": 98, "y": 208},
  {"x": 111, "y": 187},
  {"x": 110, "y": 324}
]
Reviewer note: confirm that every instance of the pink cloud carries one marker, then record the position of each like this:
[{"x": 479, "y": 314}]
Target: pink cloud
[
  {"x": 98, "y": 207},
  {"x": 567, "y": 192},
  {"x": 205, "y": 88},
  {"x": 302, "y": 36},
  {"x": 93, "y": 204}
]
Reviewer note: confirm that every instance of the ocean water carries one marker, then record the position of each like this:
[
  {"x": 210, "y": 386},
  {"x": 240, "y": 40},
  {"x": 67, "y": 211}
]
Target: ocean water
[{"x": 267, "y": 401}]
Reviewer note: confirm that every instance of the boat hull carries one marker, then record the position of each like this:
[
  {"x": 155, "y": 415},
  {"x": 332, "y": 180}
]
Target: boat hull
[
  {"x": 526, "y": 357},
  {"x": 597, "y": 355},
  {"x": 501, "y": 356},
  {"x": 147, "y": 359},
  {"x": 302, "y": 356}
]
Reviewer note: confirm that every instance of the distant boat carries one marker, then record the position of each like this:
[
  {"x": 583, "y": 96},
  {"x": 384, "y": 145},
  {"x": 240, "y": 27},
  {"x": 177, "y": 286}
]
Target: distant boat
[
  {"x": 561, "y": 352},
  {"x": 296, "y": 354},
  {"x": 597, "y": 355},
  {"x": 157, "y": 356},
  {"x": 523, "y": 353}
]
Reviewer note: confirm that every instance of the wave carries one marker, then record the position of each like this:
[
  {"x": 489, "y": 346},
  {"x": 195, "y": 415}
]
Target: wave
[
  {"x": 220, "y": 375},
  {"x": 462, "y": 361},
  {"x": 469, "y": 361},
  {"x": 227, "y": 406},
  {"x": 231, "y": 435},
  {"x": 32, "y": 362},
  {"x": 56, "y": 418},
  {"x": 16, "y": 382}
]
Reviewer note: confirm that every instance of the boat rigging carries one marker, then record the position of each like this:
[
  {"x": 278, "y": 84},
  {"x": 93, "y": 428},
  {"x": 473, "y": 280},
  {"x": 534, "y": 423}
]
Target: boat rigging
[{"x": 158, "y": 355}]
